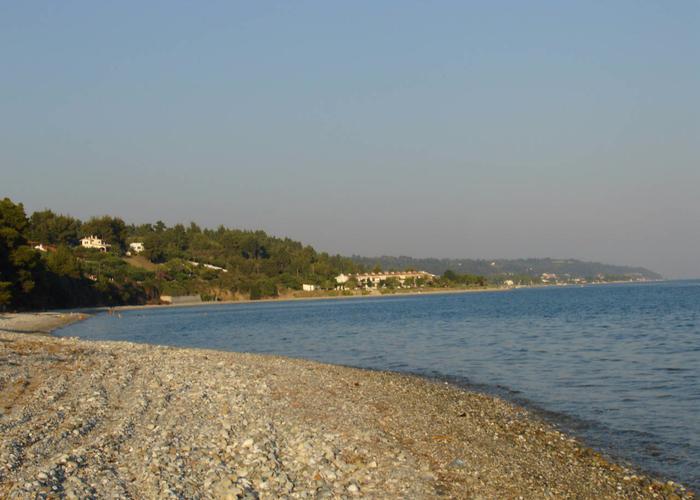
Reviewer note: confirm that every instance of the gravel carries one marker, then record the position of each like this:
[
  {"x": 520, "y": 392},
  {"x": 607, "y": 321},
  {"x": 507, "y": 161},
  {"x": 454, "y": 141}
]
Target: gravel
[{"x": 108, "y": 419}]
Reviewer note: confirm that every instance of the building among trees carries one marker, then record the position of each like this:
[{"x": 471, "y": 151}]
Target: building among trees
[
  {"x": 94, "y": 242},
  {"x": 406, "y": 279},
  {"x": 136, "y": 247}
]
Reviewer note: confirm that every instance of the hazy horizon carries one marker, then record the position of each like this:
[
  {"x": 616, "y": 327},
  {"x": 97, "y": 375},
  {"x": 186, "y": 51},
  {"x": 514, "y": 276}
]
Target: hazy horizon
[{"x": 464, "y": 131}]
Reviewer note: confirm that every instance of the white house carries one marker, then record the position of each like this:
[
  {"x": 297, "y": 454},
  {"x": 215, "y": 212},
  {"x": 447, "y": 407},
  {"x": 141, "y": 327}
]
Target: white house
[
  {"x": 136, "y": 247},
  {"x": 94, "y": 242},
  {"x": 308, "y": 288}
]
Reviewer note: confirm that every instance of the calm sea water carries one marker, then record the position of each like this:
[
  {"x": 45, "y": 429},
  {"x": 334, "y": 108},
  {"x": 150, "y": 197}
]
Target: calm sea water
[{"x": 618, "y": 365}]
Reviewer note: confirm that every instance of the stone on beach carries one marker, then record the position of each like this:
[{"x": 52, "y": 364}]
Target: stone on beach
[{"x": 108, "y": 419}]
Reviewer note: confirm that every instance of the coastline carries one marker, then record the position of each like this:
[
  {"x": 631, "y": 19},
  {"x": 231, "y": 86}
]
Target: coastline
[
  {"x": 47, "y": 327},
  {"x": 445, "y": 478},
  {"x": 45, "y": 322},
  {"x": 91, "y": 417},
  {"x": 294, "y": 298},
  {"x": 38, "y": 323}
]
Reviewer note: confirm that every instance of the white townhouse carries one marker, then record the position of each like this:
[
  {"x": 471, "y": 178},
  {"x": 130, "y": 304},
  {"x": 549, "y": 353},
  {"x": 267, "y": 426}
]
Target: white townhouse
[
  {"x": 95, "y": 242},
  {"x": 373, "y": 280}
]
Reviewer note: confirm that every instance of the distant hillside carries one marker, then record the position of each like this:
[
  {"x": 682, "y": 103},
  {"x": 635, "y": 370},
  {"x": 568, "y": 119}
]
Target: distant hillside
[{"x": 500, "y": 267}]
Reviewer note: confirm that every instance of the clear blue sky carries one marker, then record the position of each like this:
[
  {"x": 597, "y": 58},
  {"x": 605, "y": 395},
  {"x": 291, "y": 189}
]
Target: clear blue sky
[{"x": 456, "y": 129}]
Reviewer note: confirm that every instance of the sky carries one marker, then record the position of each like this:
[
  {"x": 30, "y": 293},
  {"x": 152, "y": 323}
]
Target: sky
[{"x": 485, "y": 129}]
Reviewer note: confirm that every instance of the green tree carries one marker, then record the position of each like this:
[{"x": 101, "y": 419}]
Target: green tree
[
  {"x": 178, "y": 239},
  {"x": 63, "y": 263},
  {"x": 391, "y": 282},
  {"x": 450, "y": 275},
  {"x": 154, "y": 248},
  {"x": 5, "y": 294},
  {"x": 47, "y": 227},
  {"x": 110, "y": 229},
  {"x": 18, "y": 262}
]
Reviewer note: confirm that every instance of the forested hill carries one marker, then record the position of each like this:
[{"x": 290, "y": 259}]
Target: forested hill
[
  {"x": 43, "y": 264},
  {"x": 504, "y": 267}
]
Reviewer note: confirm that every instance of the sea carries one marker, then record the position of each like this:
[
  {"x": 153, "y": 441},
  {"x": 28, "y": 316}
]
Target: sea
[{"x": 616, "y": 365}]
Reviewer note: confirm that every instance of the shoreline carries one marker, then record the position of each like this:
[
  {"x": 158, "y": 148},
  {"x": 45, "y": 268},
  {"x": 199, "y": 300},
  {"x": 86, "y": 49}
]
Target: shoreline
[
  {"x": 432, "y": 291},
  {"x": 303, "y": 298},
  {"x": 98, "y": 418},
  {"x": 45, "y": 326},
  {"x": 590, "y": 466},
  {"x": 39, "y": 323},
  {"x": 45, "y": 322},
  {"x": 96, "y": 309}
]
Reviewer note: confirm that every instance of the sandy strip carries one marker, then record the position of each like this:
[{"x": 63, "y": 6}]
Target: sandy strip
[
  {"x": 37, "y": 323},
  {"x": 109, "y": 419}
]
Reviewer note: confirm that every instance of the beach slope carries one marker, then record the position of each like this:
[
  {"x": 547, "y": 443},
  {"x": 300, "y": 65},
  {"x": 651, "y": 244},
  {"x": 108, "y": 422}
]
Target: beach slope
[{"x": 105, "y": 419}]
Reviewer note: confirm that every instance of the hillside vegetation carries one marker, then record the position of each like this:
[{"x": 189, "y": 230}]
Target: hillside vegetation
[
  {"x": 216, "y": 264},
  {"x": 43, "y": 265}
]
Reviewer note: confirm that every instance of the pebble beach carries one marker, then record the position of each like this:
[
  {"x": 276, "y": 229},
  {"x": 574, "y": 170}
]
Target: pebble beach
[{"x": 85, "y": 419}]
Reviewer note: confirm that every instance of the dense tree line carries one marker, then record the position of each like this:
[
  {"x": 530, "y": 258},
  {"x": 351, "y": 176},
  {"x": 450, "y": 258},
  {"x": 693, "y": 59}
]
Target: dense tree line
[
  {"x": 216, "y": 264},
  {"x": 451, "y": 278},
  {"x": 30, "y": 279},
  {"x": 256, "y": 264},
  {"x": 178, "y": 260}
]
